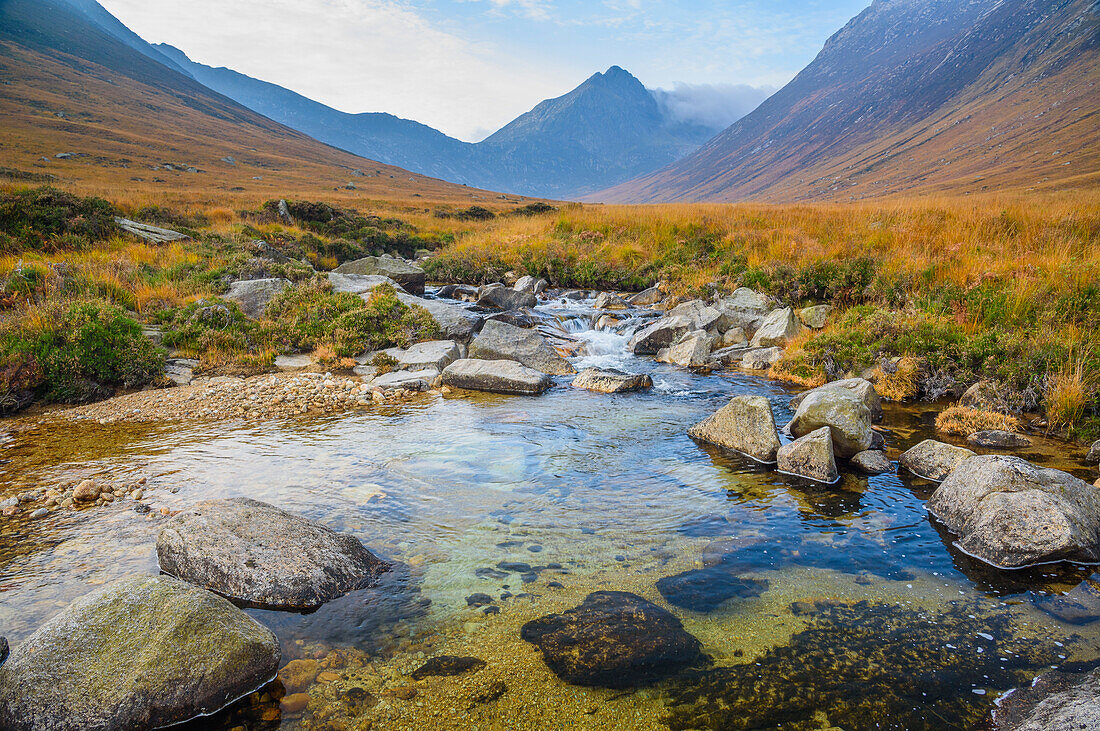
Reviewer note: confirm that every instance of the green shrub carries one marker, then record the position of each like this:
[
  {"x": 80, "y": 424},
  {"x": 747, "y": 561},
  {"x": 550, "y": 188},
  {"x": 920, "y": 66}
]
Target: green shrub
[
  {"x": 52, "y": 220},
  {"x": 209, "y": 325}
]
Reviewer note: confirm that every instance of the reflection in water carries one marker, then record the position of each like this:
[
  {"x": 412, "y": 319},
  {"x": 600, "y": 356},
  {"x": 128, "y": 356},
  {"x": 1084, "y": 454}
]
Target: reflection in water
[{"x": 536, "y": 502}]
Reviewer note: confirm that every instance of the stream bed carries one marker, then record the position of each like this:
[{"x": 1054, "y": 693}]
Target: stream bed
[{"x": 864, "y": 615}]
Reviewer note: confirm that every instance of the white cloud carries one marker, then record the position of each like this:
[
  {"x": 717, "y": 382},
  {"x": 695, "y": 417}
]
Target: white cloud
[
  {"x": 713, "y": 105},
  {"x": 355, "y": 55}
]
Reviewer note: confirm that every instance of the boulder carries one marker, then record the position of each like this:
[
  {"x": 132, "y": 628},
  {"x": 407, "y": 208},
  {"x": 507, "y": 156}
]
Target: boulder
[
  {"x": 541, "y": 286},
  {"x": 777, "y": 329},
  {"x": 141, "y": 653},
  {"x": 455, "y": 322},
  {"x": 409, "y": 276},
  {"x": 646, "y": 297},
  {"x": 998, "y": 439},
  {"x": 810, "y": 456},
  {"x": 611, "y": 381},
  {"x": 613, "y": 639},
  {"x": 464, "y": 292},
  {"x": 1055, "y": 701},
  {"x": 359, "y": 283},
  {"x": 1080, "y": 606},
  {"x": 253, "y": 295},
  {"x": 860, "y": 387},
  {"x": 526, "y": 283},
  {"x": 815, "y": 317},
  {"x": 692, "y": 350},
  {"x": 871, "y": 462},
  {"x": 1010, "y": 513},
  {"x": 760, "y": 359},
  {"x": 660, "y": 334},
  {"x": 733, "y": 355},
  {"x": 1093, "y": 455},
  {"x": 933, "y": 460},
  {"x": 259, "y": 555},
  {"x": 517, "y": 318},
  {"x": 609, "y": 301},
  {"x": 497, "y": 376},
  {"x": 3, "y": 649},
  {"x": 744, "y": 308},
  {"x": 983, "y": 395},
  {"x": 701, "y": 316},
  {"x": 499, "y": 297},
  {"x": 840, "y": 410},
  {"x": 734, "y": 337},
  {"x": 436, "y": 354},
  {"x": 607, "y": 322},
  {"x": 421, "y": 380},
  {"x": 746, "y": 425},
  {"x": 501, "y": 341}
]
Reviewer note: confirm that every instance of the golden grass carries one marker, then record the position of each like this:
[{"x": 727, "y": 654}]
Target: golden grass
[
  {"x": 1070, "y": 391},
  {"x": 962, "y": 421},
  {"x": 902, "y": 384}
]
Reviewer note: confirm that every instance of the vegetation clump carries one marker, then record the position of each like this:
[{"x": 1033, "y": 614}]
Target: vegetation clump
[
  {"x": 48, "y": 219},
  {"x": 963, "y": 421}
]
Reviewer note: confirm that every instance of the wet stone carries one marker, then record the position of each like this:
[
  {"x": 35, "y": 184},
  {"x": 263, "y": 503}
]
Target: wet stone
[
  {"x": 489, "y": 573},
  {"x": 478, "y": 600},
  {"x": 492, "y": 692},
  {"x": 613, "y": 639},
  {"x": 515, "y": 567},
  {"x": 358, "y": 701},
  {"x": 491, "y": 610},
  {"x": 704, "y": 590},
  {"x": 446, "y": 666}
]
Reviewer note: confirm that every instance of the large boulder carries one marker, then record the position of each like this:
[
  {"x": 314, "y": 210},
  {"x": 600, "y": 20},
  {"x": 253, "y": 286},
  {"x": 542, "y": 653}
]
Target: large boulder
[
  {"x": 614, "y": 639},
  {"x": 692, "y": 350},
  {"x": 455, "y": 321},
  {"x": 526, "y": 283},
  {"x": 255, "y": 553},
  {"x": 496, "y": 376},
  {"x": 746, "y": 425},
  {"x": 861, "y": 387},
  {"x": 815, "y": 317},
  {"x": 409, "y": 276},
  {"x": 610, "y": 301},
  {"x": 1010, "y": 513},
  {"x": 436, "y": 354},
  {"x": 840, "y": 410},
  {"x": 1055, "y": 701},
  {"x": 810, "y": 456},
  {"x": 934, "y": 460},
  {"x": 646, "y": 297},
  {"x": 141, "y": 653},
  {"x": 360, "y": 283},
  {"x": 744, "y": 308},
  {"x": 253, "y": 295},
  {"x": 760, "y": 359},
  {"x": 701, "y": 315},
  {"x": 499, "y": 297},
  {"x": 777, "y": 329},
  {"x": 611, "y": 381},
  {"x": 660, "y": 334},
  {"x": 501, "y": 341}
]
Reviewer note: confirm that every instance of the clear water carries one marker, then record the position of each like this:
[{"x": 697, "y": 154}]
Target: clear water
[{"x": 870, "y": 619}]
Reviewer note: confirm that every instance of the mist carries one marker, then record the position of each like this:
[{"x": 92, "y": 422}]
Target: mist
[{"x": 712, "y": 105}]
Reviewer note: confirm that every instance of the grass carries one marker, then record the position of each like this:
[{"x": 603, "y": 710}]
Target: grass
[{"x": 962, "y": 421}]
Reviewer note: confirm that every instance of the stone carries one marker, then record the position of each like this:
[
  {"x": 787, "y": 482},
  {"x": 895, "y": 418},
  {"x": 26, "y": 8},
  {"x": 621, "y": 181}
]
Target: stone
[
  {"x": 760, "y": 359},
  {"x": 455, "y": 321},
  {"x": 253, "y": 295},
  {"x": 141, "y": 653},
  {"x": 810, "y": 456},
  {"x": 998, "y": 439},
  {"x": 934, "y": 460},
  {"x": 86, "y": 491},
  {"x": 409, "y": 276},
  {"x": 1057, "y": 700},
  {"x": 840, "y": 410},
  {"x": 609, "y": 301},
  {"x": 871, "y": 462},
  {"x": 152, "y": 234},
  {"x": 701, "y": 316},
  {"x": 1080, "y": 606},
  {"x": 297, "y": 675},
  {"x": 497, "y": 376},
  {"x": 526, "y": 283},
  {"x": 293, "y": 362},
  {"x": 421, "y": 380},
  {"x": 860, "y": 387},
  {"x": 733, "y": 355},
  {"x": 180, "y": 371},
  {"x": 777, "y": 329},
  {"x": 746, "y": 425},
  {"x": 447, "y": 666},
  {"x": 360, "y": 283},
  {"x": 691, "y": 351},
  {"x": 499, "y": 297},
  {"x": 479, "y": 599},
  {"x": 3, "y": 649},
  {"x": 734, "y": 337},
  {"x": 646, "y": 297},
  {"x": 607, "y": 322},
  {"x": 501, "y": 341},
  {"x": 437, "y": 354},
  {"x": 613, "y": 639},
  {"x": 660, "y": 334},
  {"x": 294, "y": 703},
  {"x": 611, "y": 381},
  {"x": 255, "y": 553},
  {"x": 1011, "y": 513},
  {"x": 704, "y": 590},
  {"x": 983, "y": 395},
  {"x": 744, "y": 308},
  {"x": 815, "y": 317},
  {"x": 1093, "y": 455}
]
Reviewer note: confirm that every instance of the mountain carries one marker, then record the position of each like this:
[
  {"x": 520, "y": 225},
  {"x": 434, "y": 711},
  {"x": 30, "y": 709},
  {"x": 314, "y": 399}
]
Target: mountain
[
  {"x": 915, "y": 96},
  {"x": 82, "y": 101},
  {"x": 607, "y": 130}
]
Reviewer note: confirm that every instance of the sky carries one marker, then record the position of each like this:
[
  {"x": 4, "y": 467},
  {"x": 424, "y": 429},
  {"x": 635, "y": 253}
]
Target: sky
[{"x": 467, "y": 67}]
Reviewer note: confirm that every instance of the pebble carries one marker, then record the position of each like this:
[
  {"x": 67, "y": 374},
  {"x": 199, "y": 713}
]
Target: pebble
[{"x": 40, "y": 513}]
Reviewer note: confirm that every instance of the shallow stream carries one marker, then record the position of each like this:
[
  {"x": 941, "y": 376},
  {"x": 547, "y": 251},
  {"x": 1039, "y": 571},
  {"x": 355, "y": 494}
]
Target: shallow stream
[{"x": 867, "y": 616}]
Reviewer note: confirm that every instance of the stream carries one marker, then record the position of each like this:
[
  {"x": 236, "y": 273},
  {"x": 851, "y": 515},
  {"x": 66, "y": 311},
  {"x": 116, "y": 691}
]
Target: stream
[{"x": 866, "y": 615}]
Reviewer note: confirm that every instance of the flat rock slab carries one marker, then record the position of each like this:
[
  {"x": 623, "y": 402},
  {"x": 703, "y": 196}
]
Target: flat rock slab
[
  {"x": 360, "y": 283},
  {"x": 614, "y": 639},
  {"x": 421, "y": 380},
  {"x": 746, "y": 425},
  {"x": 704, "y": 590},
  {"x": 611, "y": 381},
  {"x": 454, "y": 321},
  {"x": 256, "y": 554},
  {"x": 152, "y": 234},
  {"x": 496, "y": 376},
  {"x": 436, "y": 354},
  {"x": 141, "y": 653}
]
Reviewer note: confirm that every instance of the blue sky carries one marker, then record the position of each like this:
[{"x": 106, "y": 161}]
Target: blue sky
[{"x": 469, "y": 66}]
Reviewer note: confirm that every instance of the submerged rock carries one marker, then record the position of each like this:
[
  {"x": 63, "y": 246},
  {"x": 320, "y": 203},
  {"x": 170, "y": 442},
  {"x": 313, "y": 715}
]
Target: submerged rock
[
  {"x": 1010, "y": 513},
  {"x": 253, "y": 295},
  {"x": 614, "y": 639},
  {"x": 933, "y": 460},
  {"x": 255, "y": 553},
  {"x": 810, "y": 456},
  {"x": 843, "y": 412},
  {"x": 871, "y": 462},
  {"x": 409, "y": 276},
  {"x": 1080, "y": 606},
  {"x": 704, "y": 590},
  {"x": 746, "y": 425},
  {"x": 998, "y": 439},
  {"x": 141, "y": 653},
  {"x": 446, "y": 666},
  {"x": 611, "y": 381},
  {"x": 1055, "y": 701},
  {"x": 497, "y": 376},
  {"x": 501, "y": 341}
]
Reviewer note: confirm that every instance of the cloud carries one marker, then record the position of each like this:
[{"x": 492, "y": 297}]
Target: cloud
[{"x": 712, "y": 105}]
